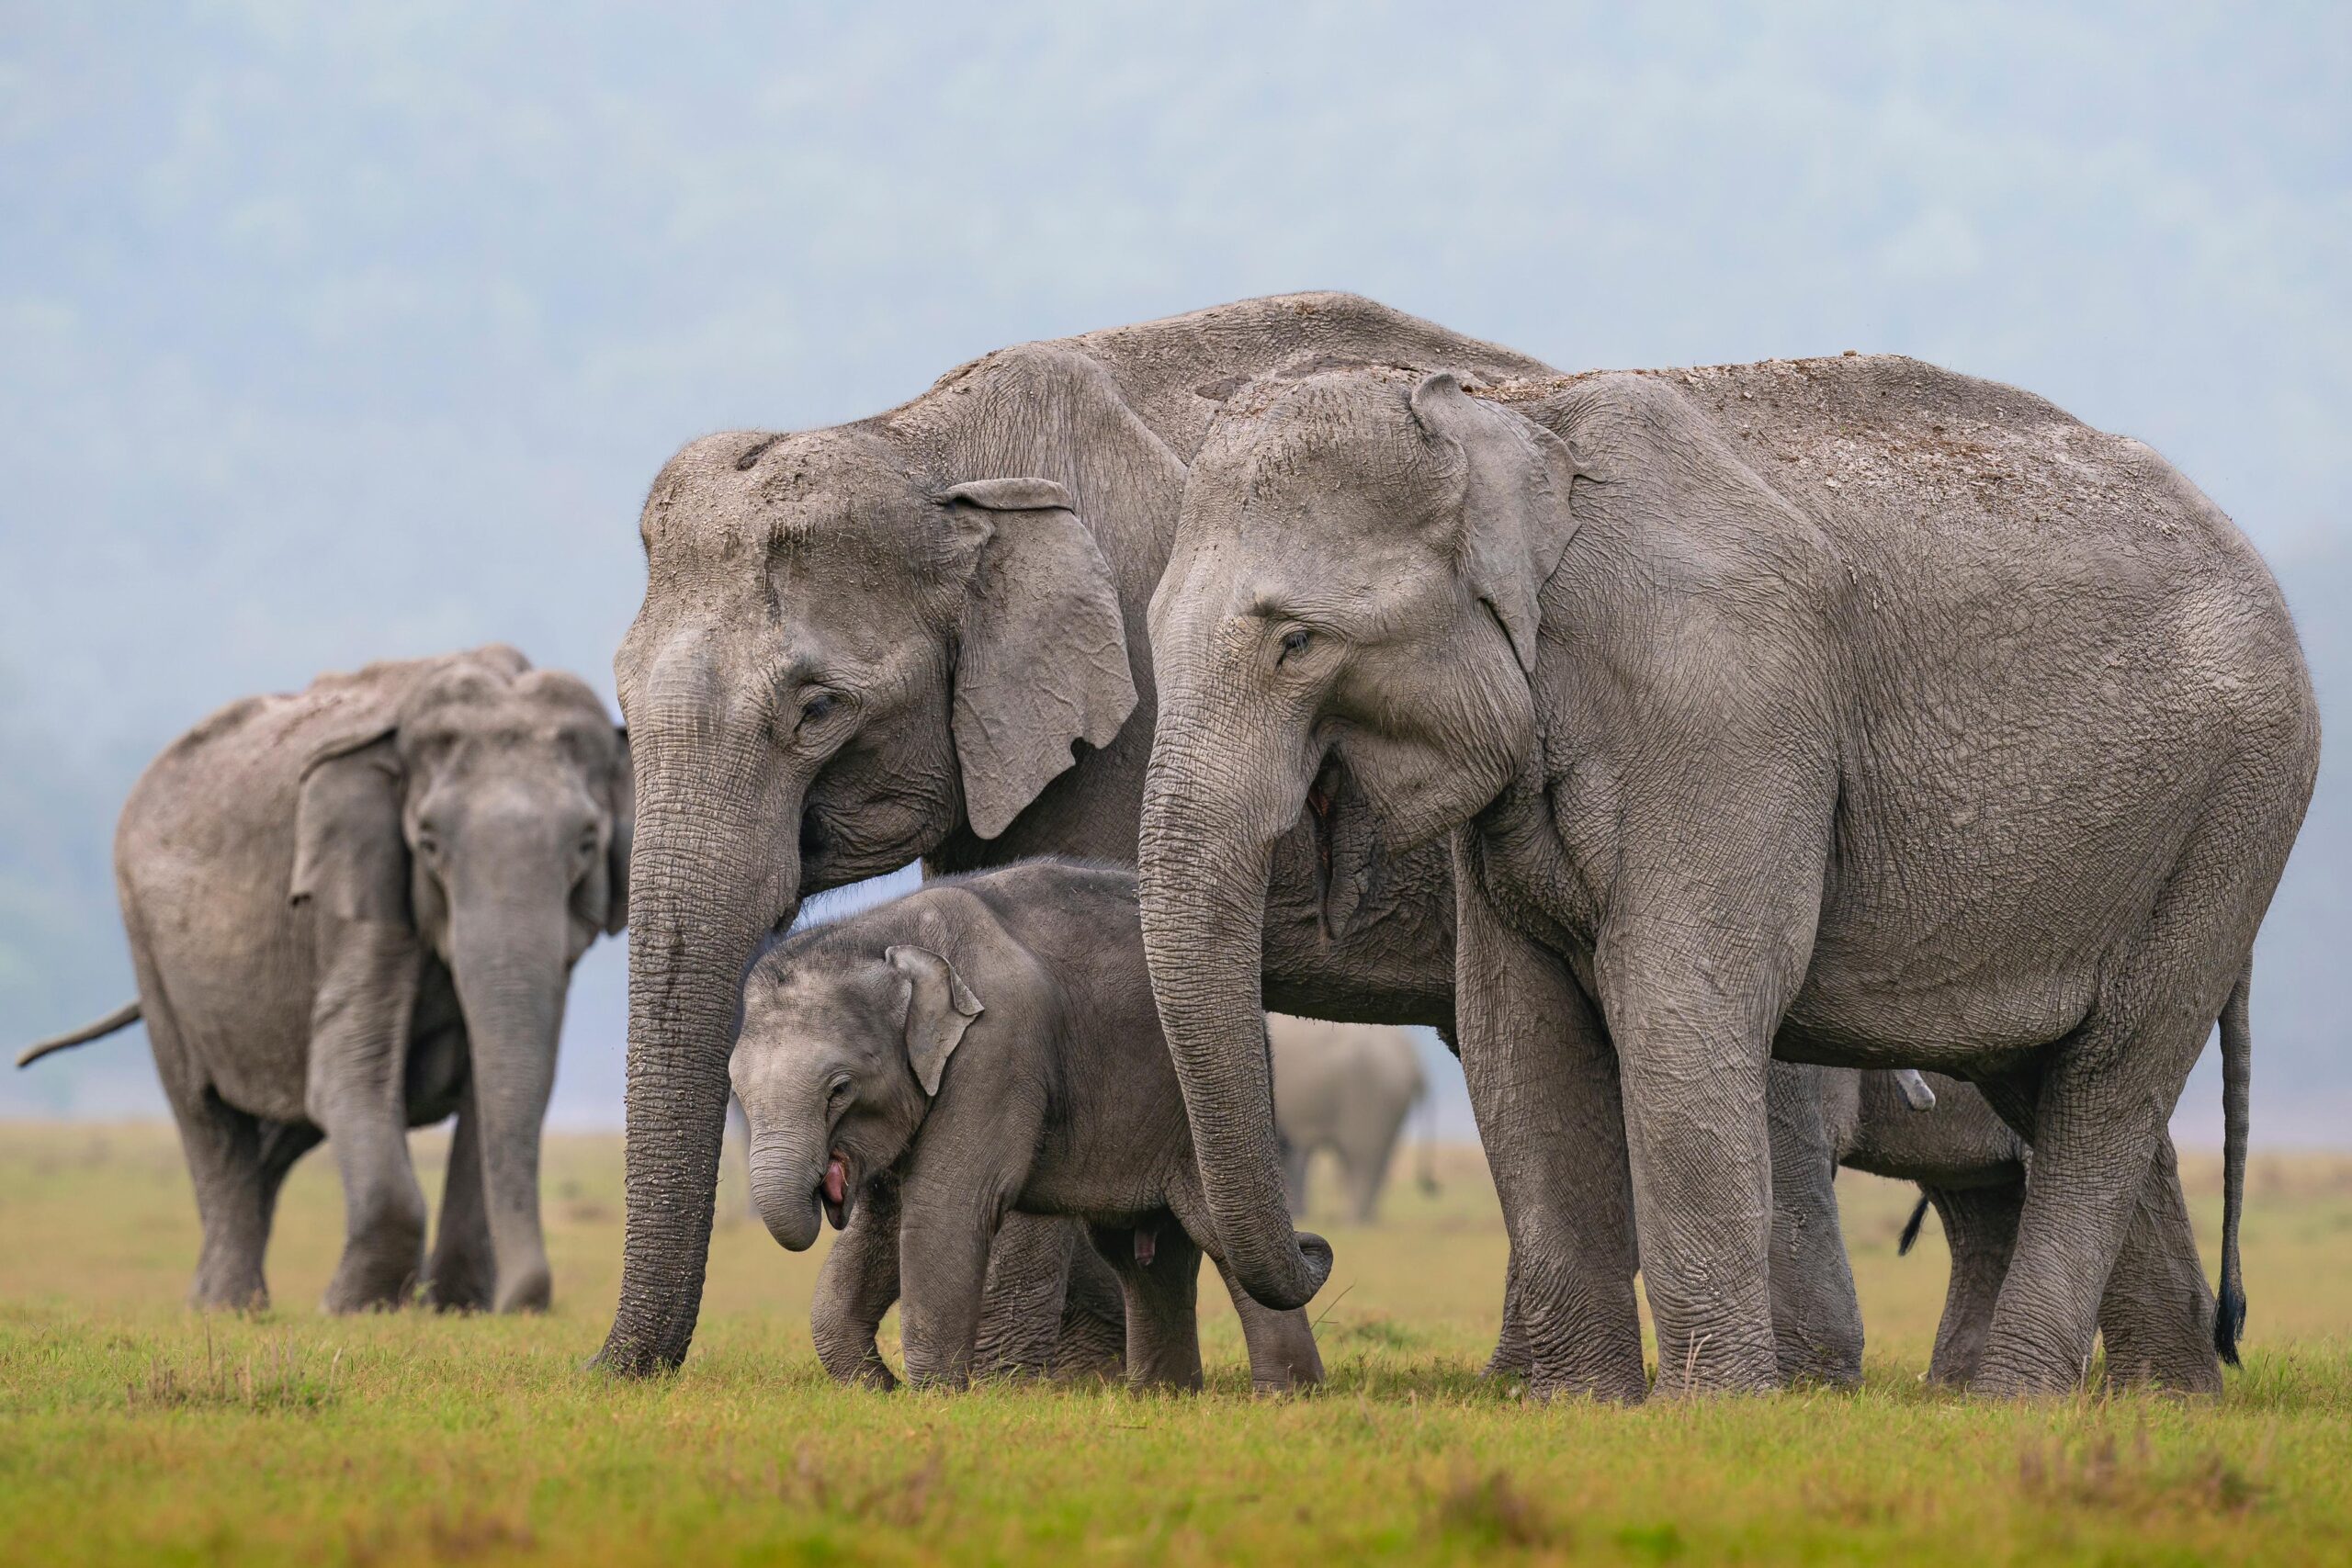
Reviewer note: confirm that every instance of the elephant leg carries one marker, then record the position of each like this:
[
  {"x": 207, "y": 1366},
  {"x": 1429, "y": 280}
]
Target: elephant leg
[
  {"x": 357, "y": 1092},
  {"x": 2098, "y": 1121},
  {"x": 1027, "y": 1292},
  {"x": 1512, "y": 1356},
  {"x": 1367, "y": 1166},
  {"x": 1980, "y": 1227},
  {"x": 2157, "y": 1317},
  {"x": 855, "y": 1290},
  {"x": 1295, "y": 1158},
  {"x": 943, "y": 1250},
  {"x": 1283, "y": 1355},
  {"x": 1544, "y": 1084},
  {"x": 237, "y": 1164},
  {"x": 1816, "y": 1317},
  {"x": 1160, "y": 1281},
  {"x": 463, "y": 1273},
  {"x": 1093, "y": 1339}
]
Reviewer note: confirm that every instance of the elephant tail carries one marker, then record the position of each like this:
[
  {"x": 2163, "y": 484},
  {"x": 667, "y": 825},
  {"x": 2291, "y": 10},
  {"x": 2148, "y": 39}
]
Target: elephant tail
[
  {"x": 1911, "y": 1226},
  {"x": 122, "y": 1016},
  {"x": 2237, "y": 1074}
]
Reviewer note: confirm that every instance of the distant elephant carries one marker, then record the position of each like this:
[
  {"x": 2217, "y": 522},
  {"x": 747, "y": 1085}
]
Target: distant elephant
[
  {"x": 354, "y": 910},
  {"x": 1848, "y": 710},
  {"x": 1346, "y": 1087},
  {"x": 923, "y": 635},
  {"x": 986, "y": 1046}
]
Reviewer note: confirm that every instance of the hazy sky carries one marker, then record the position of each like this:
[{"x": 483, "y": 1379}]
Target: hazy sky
[{"x": 333, "y": 332}]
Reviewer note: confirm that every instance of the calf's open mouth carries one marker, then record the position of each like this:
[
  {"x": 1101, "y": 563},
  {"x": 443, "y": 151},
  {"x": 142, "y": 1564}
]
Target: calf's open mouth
[{"x": 836, "y": 1192}]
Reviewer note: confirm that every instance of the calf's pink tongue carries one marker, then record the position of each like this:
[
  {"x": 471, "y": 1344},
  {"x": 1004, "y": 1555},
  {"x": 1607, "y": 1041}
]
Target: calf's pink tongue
[{"x": 836, "y": 1179}]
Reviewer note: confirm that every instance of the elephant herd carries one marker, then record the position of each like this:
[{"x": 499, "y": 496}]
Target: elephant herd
[{"x": 1749, "y": 770}]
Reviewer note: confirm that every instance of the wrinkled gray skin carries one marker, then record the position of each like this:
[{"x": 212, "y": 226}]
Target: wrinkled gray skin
[
  {"x": 1345, "y": 1088},
  {"x": 354, "y": 910},
  {"x": 1849, "y": 710},
  {"x": 1970, "y": 1167},
  {"x": 924, "y": 635},
  {"x": 986, "y": 1045},
  {"x": 776, "y": 558}
]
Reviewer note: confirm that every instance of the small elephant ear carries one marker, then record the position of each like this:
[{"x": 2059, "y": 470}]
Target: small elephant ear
[
  {"x": 624, "y": 808},
  {"x": 940, "y": 1006},
  {"x": 350, "y": 860},
  {"x": 1043, "y": 662},
  {"x": 1516, "y": 520}
]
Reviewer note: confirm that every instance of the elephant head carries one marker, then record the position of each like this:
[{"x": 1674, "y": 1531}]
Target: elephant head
[
  {"x": 1346, "y": 628},
  {"x": 840, "y": 661},
  {"x": 836, "y": 1069},
  {"x": 488, "y": 804}
]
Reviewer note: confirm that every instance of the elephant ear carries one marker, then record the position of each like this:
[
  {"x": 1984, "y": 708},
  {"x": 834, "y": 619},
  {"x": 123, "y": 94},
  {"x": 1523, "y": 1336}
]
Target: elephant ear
[
  {"x": 601, "y": 901},
  {"x": 623, "y": 801},
  {"x": 940, "y": 1006},
  {"x": 1043, "y": 657},
  {"x": 1516, "y": 520},
  {"x": 350, "y": 860}
]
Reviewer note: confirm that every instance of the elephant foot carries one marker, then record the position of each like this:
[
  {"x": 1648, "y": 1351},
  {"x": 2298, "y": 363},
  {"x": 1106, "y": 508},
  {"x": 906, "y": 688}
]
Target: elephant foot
[
  {"x": 2011, "y": 1371},
  {"x": 460, "y": 1284},
  {"x": 2192, "y": 1374},
  {"x": 231, "y": 1290},
  {"x": 367, "y": 1283},
  {"x": 529, "y": 1289}
]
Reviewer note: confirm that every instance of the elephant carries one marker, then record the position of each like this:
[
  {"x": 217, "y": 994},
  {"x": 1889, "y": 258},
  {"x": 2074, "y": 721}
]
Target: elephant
[
  {"x": 352, "y": 910},
  {"x": 1345, "y": 1088},
  {"x": 1848, "y": 711},
  {"x": 922, "y": 636},
  {"x": 987, "y": 1044},
  {"x": 847, "y": 549}
]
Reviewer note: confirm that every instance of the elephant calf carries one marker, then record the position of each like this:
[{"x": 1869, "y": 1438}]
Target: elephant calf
[
  {"x": 352, "y": 910},
  {"x": 988, "y": 1044}
]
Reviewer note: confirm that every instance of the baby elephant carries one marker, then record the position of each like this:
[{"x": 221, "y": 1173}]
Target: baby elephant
[{"x": 988, "y": 1043}]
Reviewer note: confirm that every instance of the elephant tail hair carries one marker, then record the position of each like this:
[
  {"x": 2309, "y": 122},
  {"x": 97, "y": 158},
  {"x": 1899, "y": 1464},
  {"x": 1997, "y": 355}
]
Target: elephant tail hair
[
  {"x": 1911, "y": 1227},
  {"x": 122, "y": 1016},
  {"x": 2237, "y": 1074}
]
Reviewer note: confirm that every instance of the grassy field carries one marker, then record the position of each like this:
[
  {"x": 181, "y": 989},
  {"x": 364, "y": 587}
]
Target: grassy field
[{"x": 131, "y": 1430}]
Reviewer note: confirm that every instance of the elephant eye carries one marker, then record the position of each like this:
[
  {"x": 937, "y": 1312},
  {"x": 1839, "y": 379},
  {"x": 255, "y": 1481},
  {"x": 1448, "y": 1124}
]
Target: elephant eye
[
  {"x": 819, "y": 707},
  {"x": 1294, "y": 641},
  {"x": 428, "y": 843},
  {"x": 838, "y": 1090},
  {"x": 587, "y": 841}
]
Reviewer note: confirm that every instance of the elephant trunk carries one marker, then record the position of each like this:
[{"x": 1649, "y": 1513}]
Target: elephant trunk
[
  {"x": 714, "y": 867},
  {"x": 509, "y": 959},
  {"x": 786, "y": 1170},
  {"x": 1205, "y": 858}
]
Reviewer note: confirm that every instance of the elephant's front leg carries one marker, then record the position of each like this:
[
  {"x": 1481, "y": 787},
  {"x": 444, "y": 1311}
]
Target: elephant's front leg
[
  {"x": 463, "y": 1275},
  {"x": 1282, "y": 1353},
  {"x": 855, "y": 1290},
  {"x": 1543, "y": 1086},
  {"x": 356, "y": 1090},
  {"x": 1816, "y": 1317}
]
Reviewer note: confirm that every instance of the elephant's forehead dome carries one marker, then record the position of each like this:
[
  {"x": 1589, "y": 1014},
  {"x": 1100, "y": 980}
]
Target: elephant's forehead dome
[{"x": 748, "y": 488}]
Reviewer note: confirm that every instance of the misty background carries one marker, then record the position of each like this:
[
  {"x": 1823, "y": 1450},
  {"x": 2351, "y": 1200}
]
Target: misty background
[{"x": 329, "y": 336}]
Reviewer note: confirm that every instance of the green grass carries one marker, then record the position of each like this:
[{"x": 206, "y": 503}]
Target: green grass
[{"x": 131, "y": 1430}]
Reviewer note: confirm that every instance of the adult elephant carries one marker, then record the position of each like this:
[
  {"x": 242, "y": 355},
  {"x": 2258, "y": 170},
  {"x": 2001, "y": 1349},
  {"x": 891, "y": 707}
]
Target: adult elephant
[
  {"x": 1345, "y": 1088},
  {"x": 352, "y": 910},
  {"x": 924, "y": 635},
  {"x": 1847, "y": 710}
]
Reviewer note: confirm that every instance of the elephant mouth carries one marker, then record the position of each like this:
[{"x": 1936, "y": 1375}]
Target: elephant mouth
[
  {"x": 1340, "y": 822},
  {"x": 837, "y": 1192}
]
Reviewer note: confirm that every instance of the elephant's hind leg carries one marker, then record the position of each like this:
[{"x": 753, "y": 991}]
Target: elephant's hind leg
[
  {"x": 1159, "y": 1272},
  {"x": 2157, "y": 1317},
  {"x": 1980, "y": 1227}
]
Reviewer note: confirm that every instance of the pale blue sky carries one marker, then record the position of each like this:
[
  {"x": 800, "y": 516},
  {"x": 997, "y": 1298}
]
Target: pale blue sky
[{"x": 328, "y": 333}]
